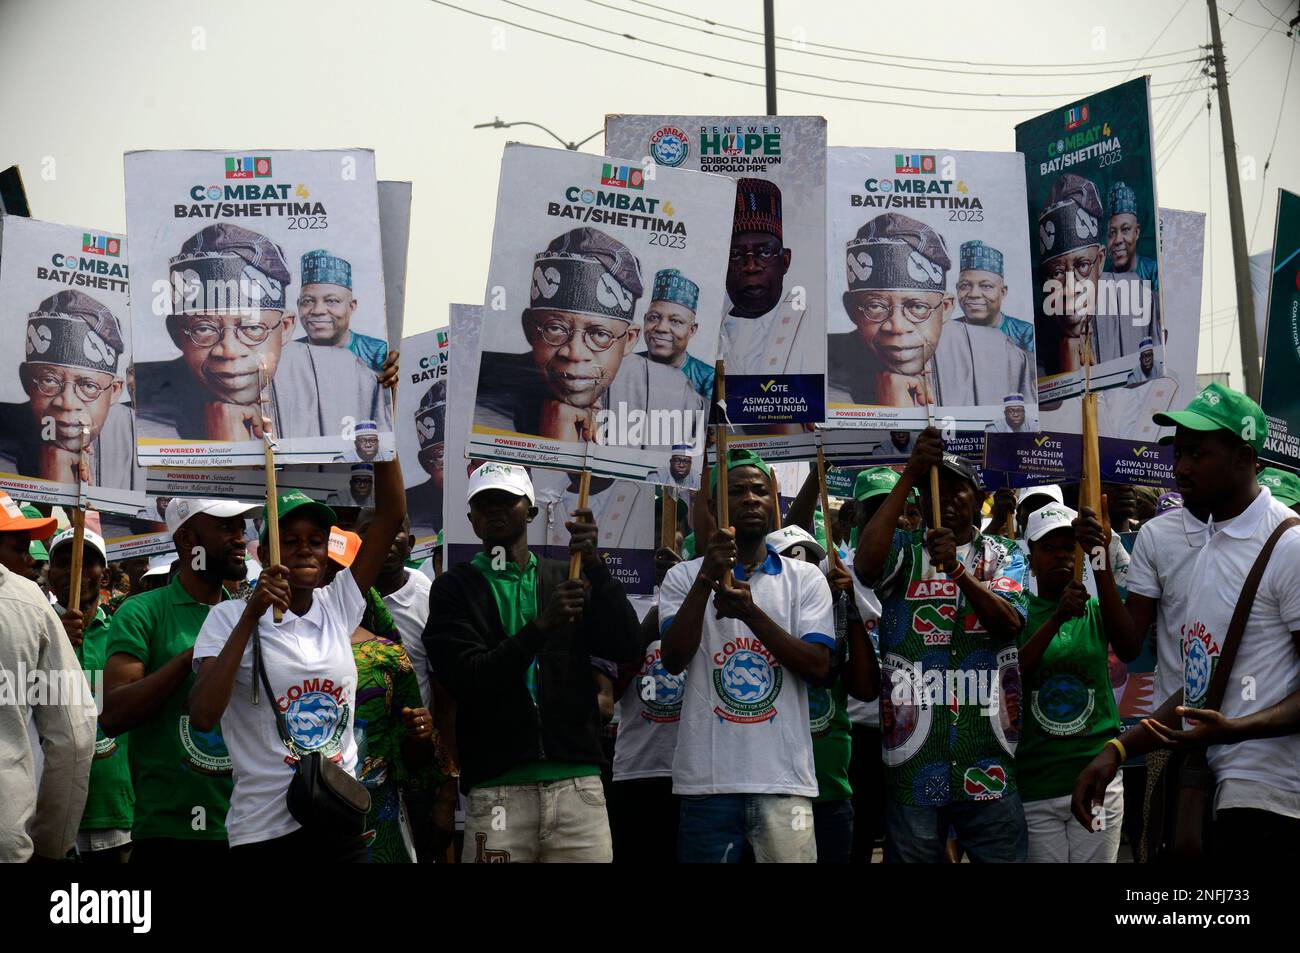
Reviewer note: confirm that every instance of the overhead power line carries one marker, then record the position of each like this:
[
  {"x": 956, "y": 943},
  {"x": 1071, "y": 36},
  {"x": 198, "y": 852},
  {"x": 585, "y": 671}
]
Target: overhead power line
[
  {"x": 731, "y": 79},
  {"x": 1088, "y": 66},
  {"x": 1065, "y": 96}
]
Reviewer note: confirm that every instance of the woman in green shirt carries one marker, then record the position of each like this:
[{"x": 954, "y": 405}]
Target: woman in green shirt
[{"x": 1071, "y": 712}]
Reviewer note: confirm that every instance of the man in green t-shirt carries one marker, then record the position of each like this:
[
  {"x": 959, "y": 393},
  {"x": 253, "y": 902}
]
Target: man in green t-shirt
[
  {"x": 511, "y": 637},
  {"x": 105, "y": 834},
  {"x": 1065, "y": 673},
  {"x": 181, "y": 775}
]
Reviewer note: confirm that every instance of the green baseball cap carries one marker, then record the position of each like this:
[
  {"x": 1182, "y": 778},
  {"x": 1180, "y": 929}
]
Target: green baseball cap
[
  {"x": 290, "y": 501},
  {"x": 36, "y": 548},
  {"x": 739, "y": 458},
  {"x": 1284, "y": 486},
  {"x": 874, "y": 481},
  {"x": 1220, "y": 408}
]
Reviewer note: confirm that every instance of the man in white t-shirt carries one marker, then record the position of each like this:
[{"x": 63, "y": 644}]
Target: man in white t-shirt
[
  {"x": 1251, "y": 742},
  {"x": 752, "y": 630}
]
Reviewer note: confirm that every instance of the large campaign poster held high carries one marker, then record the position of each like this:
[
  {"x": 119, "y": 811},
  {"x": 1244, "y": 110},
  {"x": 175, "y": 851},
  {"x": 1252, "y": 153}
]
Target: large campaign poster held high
[
  {"x": 254, "y": 268},
  {"x": 421, "y": 433},
  {"x": 583, "y": 250},
  {"x": 927, "y": 257},
  {"x": 1092, "y": 211},
  {"x": 774, "y": 321},
  {"x": 1281, "y": 384},
  {"x": 66, "y": 388}
]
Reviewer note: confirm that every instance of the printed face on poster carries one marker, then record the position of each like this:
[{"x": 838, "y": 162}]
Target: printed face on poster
[
  {"x": 928, "y": 269},
  {"x": 583, "y": 248},
  {"x": 773, "y": 327},
  {"x": 1161, "y": 380},
  {"x": 258, "y": 291},
  {"x": 1092, "y": 212},
  {"x": 66, "y": 386},
  {"x": 421, "y": 432}
]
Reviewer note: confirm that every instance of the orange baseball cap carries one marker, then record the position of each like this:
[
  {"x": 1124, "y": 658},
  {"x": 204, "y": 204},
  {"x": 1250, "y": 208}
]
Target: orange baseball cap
[
  {"x": 343, "y": 546},
  {"x": 12, "y": 520}
]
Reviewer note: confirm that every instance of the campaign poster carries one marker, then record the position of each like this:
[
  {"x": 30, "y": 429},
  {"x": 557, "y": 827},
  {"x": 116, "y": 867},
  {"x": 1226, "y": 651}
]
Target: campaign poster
[
  {"x": 249, "y": 484},
  {"x": 459, "y": 542},
  {"x": 1162, "y": 379},
  {"x": 66, "y": 388},
  {"x": 421, "y": 429},
  {"x": 1090, "y": 174},
  {"x": 774, "y": 313},
  {"x": 584, "y": 248},
  {"x": 394, "y": 240},
  {"x": 928, "y": 265},
  {"x": 1280, "y": 392},
  {"x": 126, "y": 538},
  {"x": 257, "y": 268}
]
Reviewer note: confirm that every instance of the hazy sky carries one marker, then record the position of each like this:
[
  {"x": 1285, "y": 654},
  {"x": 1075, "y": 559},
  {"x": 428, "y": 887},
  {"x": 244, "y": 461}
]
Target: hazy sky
[{"x": 84, "y": 81}]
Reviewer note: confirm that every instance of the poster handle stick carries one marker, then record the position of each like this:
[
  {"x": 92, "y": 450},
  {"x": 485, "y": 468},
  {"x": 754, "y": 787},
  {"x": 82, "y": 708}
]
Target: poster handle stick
[
  {"x": 1090, "y": 487},
  {"x": 668, "y": 520},
  {"x": 78, "y": 528},
  {"x": 272, "y": 512},
  {"x": 720, "y": 460},
  {"x": 584, "y": 490},
  {"x": 935, "y": 520},
  {"x": 831, "y": 550}
]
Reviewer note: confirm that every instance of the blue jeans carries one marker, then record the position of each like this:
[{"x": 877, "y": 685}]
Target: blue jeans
[
  {"x": 834, "y": 831},
  {"x": 991, "y": 832},
  {"x": 714, "y": 828}
]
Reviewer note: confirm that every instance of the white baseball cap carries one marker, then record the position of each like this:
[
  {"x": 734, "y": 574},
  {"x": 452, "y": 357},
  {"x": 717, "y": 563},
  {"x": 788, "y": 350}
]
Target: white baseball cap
[
  {"x": 790, "y": 536},
  {"x": 159, "y": 565},
  {"x": 1051, "y": 517},
  {"x": 181, "y": 508},
  {"x": 1050, "y": 489},
  {"x": 500, "y": 476},
  {"x": 92, "y": 539}
]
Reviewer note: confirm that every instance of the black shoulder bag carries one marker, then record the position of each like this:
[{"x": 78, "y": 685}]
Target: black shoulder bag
[{"x": 322, "y": 796}]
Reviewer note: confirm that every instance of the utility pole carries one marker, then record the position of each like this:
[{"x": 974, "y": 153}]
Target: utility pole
[
  {"x": 769, "y": 54},
  {"x": 1236, "y": 217}
]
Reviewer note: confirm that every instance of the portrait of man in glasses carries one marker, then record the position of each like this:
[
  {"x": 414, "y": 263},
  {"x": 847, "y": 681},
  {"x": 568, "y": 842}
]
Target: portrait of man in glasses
[
  {"x": 581, "y": 331},
  {"x": 903, "y": 351},
  {"x": 232, "y": 321},
  {"x": 1077, "y": 295},
  {"x": 71, "y": 374},
  {"x": 760, "y": 330}
]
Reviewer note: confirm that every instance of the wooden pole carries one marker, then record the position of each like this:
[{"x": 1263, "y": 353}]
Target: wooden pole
[
  {"x": 935, "y": 521},
  {"x": 720, "y": 462},
  {"x": 78, "y": 528},
  {"x": 668, "y": 520},
  {"x": 831, "y": 551},
  {"x": 584, "y": 490},
  {"x": 271, "y": 514},
  {"x": 1090, "y": 485}
]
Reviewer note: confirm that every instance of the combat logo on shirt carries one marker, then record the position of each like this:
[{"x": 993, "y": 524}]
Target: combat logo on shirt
[
  {"x": 661, "y": 693},
  {"x": 315, "y": 715},
  {"x": 821, "y": 711},
  {"x": 1064, "y": 703},
  {"x": 1200, "y": 655},
  {"x": 747, "y": 681},
  {"x": 205, "y": 751}
]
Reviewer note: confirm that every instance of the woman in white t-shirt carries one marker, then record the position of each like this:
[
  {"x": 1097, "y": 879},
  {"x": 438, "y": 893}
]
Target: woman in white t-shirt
[{"x": 309, "y": 663}]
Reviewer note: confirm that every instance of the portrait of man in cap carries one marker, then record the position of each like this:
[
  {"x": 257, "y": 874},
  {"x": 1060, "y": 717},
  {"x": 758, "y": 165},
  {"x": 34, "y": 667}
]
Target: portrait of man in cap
[
  {"x": 362, "y": 484},
  {"x": 74, "y": 402},
  {"x": 903, "y": 351},
  {"x": 424, "y": 500},
  {"x": 581, "y": 333},
  {"x": 761, "y": 325},
  {"x": 677, "y": 472},
  {"x": 326, "y": 306},
  {"x": 1078, "y": 296},
  {"x": 981, "y": 289},
  {"x": 1148, "y": 367},
  {"x": 230, "y": 322},
  {"x": 670, "y": 325},
  {"x": 1013, "y": 416},
  {"x": 1122, "y": 233}
]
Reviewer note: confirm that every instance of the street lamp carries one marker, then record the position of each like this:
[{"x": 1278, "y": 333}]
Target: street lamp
[{"x": 572, "y": 146}]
